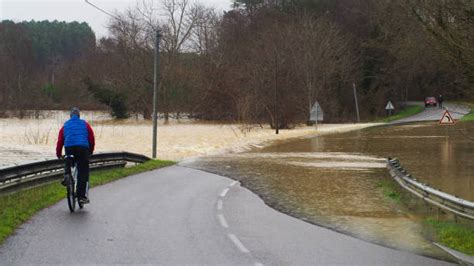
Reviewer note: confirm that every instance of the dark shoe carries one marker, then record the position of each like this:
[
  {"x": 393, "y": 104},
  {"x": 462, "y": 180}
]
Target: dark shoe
[
  {"x": 65, "y": 182},
  {"x": 84, "y": 200}
]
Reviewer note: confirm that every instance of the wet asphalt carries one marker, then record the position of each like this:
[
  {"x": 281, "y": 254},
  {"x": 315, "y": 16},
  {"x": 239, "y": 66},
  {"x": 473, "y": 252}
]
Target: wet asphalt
[
  {"x": 434, "y": 113},
  {"x": 182, "y": 216}
]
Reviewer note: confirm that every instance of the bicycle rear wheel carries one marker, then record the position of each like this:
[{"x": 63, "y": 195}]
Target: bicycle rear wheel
[{"x": 71, "y": 195}]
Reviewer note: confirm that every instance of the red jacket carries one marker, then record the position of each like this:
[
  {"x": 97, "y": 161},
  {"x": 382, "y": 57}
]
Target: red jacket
[{"x": 60, "y": 143}]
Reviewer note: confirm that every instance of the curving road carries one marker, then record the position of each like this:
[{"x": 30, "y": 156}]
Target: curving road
[
  {"x": 181, "y": 216},
  {"x": 435, "y": 113}
]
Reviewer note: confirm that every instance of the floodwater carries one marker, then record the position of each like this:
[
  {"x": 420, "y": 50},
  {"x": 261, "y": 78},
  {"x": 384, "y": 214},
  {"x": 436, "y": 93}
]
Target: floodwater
[
  {"x": 12, "y": 156},
  {"x": 441, "y": 156},
  {"x": 332, "y": 180},
  {"x": 30, "y": 139}
]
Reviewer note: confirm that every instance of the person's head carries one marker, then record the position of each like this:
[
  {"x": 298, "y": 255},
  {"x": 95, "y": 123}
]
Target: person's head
[{"x": 75, "y": 112}]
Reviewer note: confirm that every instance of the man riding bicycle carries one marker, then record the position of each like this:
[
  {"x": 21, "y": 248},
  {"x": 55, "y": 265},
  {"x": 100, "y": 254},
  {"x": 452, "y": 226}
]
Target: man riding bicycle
[{"x": 78, "y": 140}]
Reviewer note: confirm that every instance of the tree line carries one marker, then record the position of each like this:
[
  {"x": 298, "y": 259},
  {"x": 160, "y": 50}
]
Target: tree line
[
  {"x": 35, "y": 58},
  {"x": 264, "y": 61}
]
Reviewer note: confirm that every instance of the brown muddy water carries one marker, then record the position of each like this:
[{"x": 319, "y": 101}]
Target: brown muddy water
[{"x": 333, "y": 180}]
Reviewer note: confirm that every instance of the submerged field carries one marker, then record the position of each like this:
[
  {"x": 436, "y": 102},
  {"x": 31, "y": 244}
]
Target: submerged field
[{"x": 25, "y": 140}]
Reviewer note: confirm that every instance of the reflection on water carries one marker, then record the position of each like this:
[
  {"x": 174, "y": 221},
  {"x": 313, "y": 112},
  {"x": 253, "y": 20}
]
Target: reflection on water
[{"x": 332, "y": 180}]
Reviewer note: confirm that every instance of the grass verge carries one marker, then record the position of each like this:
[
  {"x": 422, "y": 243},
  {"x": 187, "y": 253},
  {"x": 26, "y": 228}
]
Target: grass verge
[
  {"x": 458, "y": 236},
  {"x": 408, "y": 111},
  {"x": 19, "y": 207},
  {"x": 390, "y": 190},
  {"x": 453, "y": 235},
  {"x": 470, "y": 116}
]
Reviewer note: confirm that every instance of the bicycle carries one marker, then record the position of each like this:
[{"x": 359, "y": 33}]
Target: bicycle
[{"x": 70, "y": 175}]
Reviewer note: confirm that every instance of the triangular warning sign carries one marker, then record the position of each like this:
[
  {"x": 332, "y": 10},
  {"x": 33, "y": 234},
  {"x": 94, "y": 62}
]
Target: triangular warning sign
[
  {"x": 446, "y": 119},
  {"x": 389, "y": 106}
]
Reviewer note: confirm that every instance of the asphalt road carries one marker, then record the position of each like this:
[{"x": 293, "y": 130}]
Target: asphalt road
[
  {"x": 435, "y": 113},
  {"x": 181, "y": 216}
]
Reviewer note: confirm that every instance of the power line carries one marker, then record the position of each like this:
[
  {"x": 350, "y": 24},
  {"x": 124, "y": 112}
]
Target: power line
[{"x": 102, "y": 10}]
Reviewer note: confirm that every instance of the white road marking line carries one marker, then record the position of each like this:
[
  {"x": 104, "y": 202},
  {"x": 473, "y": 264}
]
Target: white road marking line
[
  {"x": 222, "y": 221},
  {"x": 237, "y": 243},
  {"x": 234, "y": 183},
  {"x": 224, "y": 192},
  {"x": 220, "y": 203},
  {"x": 257, "y": 264}
]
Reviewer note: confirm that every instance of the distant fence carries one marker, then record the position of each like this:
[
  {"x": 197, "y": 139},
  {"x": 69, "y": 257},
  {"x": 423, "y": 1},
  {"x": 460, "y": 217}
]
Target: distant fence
[
  {"x": 442, "y": 200},
  {"x": 37, "y": 171}
]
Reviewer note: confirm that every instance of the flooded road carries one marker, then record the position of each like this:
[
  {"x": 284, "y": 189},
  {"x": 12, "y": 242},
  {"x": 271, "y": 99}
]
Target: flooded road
[
  {"x": 441, "y": 156},
  {"x": 332, "y": 180}
]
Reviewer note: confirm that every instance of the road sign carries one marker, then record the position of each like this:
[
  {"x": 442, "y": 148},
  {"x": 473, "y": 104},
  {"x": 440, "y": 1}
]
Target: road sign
[
  {"x": 389, "y": 106},
  {"x": 317, "y": 113},
  {"x": 446, "y": 119}
]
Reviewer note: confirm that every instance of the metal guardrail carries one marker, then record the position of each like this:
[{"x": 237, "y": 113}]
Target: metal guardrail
[
  {"x": 442, "y": 200},
  {"x": 26, "y": 173}
]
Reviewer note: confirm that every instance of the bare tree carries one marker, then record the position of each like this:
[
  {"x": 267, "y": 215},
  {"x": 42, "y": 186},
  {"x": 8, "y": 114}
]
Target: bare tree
[
  {"x": 176, "y": 19},
  {"x": 321, "y": 52},
  {"x": 130, "y": 63},
  {"x": 205, "y": 33}
]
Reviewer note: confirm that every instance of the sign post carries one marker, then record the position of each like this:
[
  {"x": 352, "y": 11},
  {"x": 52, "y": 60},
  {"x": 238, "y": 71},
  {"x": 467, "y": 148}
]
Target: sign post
[
  {"x": 389, "y": 108},
  {"x": 316, "y": 114},
  {"x": 356, "y": 102}
]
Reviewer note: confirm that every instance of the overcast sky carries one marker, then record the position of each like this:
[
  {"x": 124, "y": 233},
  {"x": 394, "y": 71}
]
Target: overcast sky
[{"x": 70, "y": 10}]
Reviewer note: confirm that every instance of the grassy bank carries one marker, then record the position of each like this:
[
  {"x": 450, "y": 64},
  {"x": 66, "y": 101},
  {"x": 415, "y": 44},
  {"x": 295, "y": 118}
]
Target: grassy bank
[
  {"x": 17, "y": 208},
  {"x": 469, "y": 117},
  {"x": 390, "y": 189},
  {"x": 457, "y": 236},
  {"x": 408, "y": 111},
  {"x": 454, "y": 235}
]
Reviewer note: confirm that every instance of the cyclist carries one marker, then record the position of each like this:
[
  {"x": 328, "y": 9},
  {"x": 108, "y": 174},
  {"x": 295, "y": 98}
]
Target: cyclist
[
  {"x": 440, "y": 101},
  {"x": 78, "y": 140}
]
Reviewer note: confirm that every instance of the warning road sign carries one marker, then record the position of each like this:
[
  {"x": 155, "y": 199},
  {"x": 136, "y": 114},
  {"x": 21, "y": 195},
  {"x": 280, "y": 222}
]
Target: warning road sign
[
  {"x": 389, "y": 106},
  {"x": 317, "y": 113},
  {"x": 446, "y": 119}
]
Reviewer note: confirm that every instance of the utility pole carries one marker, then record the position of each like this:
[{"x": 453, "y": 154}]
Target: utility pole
[
  {"x": 356, "y": 102},
  {"x": 277, "y": 126},
  {"x": 155, "y": 90},
  {"x": 155, "y": 77}
]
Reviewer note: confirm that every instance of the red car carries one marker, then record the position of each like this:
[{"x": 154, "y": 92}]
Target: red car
[{"x": 431, "y": 101}]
